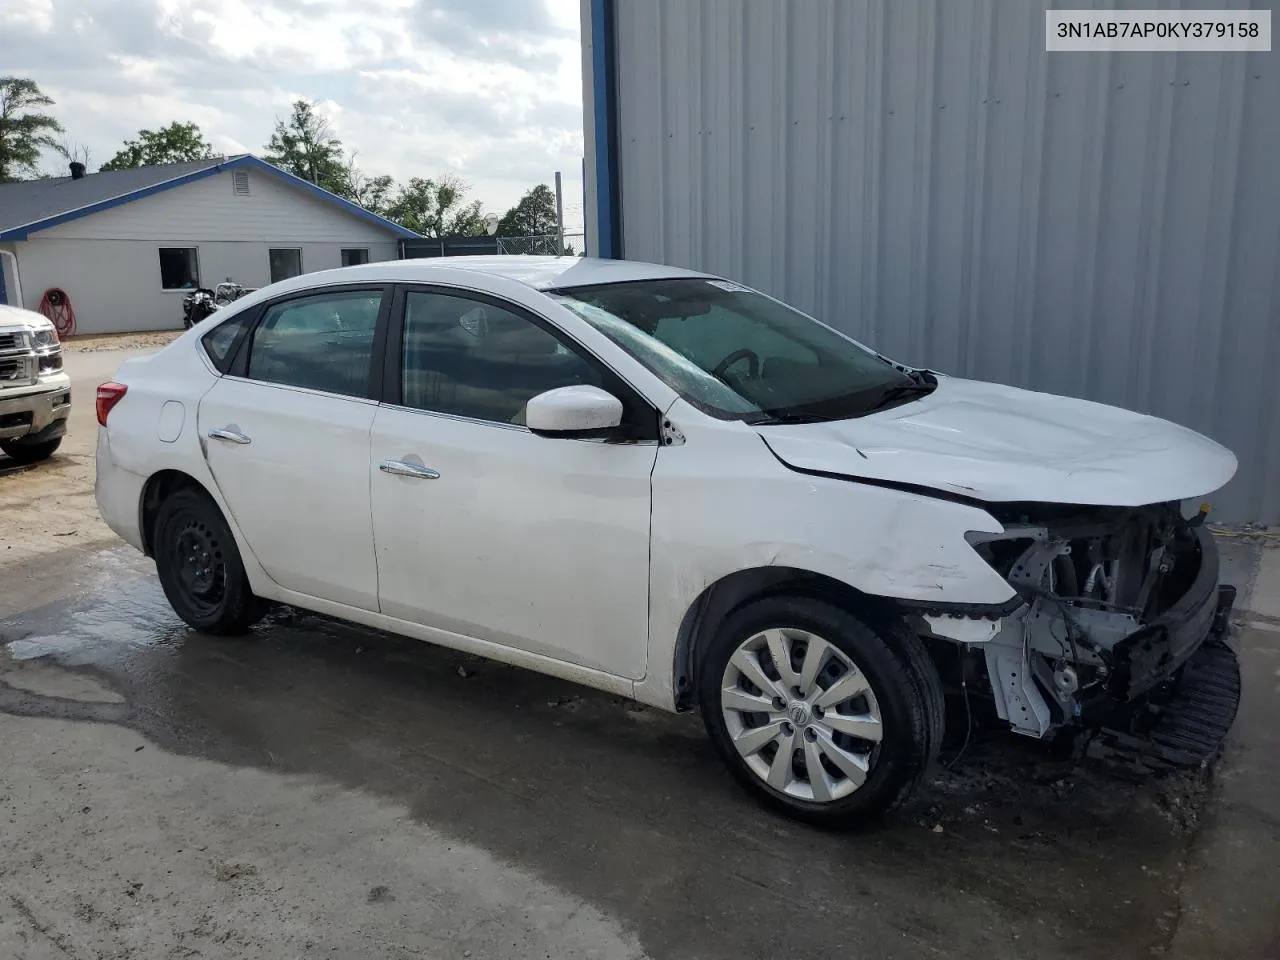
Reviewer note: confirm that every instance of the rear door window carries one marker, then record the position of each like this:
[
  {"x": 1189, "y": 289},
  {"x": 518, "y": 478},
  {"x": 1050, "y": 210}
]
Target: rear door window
[{"x": 322, "y": 342}]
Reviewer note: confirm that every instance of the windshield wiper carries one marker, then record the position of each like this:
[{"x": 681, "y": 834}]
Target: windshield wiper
[
  {"x": 902, "y": 392},
  {"x": 765, "y": 418}
]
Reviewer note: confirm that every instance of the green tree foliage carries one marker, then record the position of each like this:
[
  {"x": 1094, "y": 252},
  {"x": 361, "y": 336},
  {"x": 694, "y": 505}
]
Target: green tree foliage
[
  {"x": 306, "y": 146},
  {"x": 533, "y": 216},
  {"x": 175, "y": 143},
  {"x": 24, "y": 131},
  {"x": 372, "y": 193},
  {"x": 438, "y": 208}
]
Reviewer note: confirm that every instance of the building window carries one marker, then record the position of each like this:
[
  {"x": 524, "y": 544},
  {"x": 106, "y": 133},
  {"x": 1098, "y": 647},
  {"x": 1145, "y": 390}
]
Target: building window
[
  {"x": 179, "y": 269},
  {"x": 355, "y": 257},
  {"x": 284, "y": 264}
]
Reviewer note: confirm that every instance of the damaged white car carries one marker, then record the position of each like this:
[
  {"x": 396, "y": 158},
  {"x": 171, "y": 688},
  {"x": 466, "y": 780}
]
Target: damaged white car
[{"x": 674, "y": 488}]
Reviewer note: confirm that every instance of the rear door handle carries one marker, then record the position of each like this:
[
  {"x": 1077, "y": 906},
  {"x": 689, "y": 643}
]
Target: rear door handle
[
  {"x": 230, "y": 436},
  {"x": 400, "y": 468}
]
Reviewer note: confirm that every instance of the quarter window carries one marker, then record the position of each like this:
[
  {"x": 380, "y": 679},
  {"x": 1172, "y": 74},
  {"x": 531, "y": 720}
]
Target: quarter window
[
  {"x": 220, "y": 342},
  {"x": 179, "y": 268},
  {"x": 284, "y": 264},
  {"x": 473, "y": 359},
  {"x": 323, "y": 342}
]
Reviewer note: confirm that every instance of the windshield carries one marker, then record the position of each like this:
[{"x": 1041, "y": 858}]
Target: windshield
[{"x": 737, "y": 354}]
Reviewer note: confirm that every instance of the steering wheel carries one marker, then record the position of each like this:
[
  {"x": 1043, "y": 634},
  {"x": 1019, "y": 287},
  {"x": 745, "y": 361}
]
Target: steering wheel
[{"x": 753, "y": 365}]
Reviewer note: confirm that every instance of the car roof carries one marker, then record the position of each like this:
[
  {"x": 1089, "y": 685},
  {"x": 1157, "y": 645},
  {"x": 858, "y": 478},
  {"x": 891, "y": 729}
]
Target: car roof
[{"x": 540, "y": 273}]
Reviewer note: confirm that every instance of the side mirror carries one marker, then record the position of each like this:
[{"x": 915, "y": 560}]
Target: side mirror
[{"x": 578, "y": 412}]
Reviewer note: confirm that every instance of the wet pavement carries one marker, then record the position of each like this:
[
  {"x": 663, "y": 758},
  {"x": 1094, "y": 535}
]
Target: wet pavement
[{"x": 622, "y": 809}]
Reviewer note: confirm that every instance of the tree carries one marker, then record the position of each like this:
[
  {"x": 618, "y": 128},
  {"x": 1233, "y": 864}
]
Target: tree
[
  {"x": 533, "y": 216},
  {"x": 436, "y": 208},
  {"x": 23, "y": 133},
  {"x": 306, "y": 146},
  {"x": 372, "y": 193},
  {"x": 172, "y": 144}
]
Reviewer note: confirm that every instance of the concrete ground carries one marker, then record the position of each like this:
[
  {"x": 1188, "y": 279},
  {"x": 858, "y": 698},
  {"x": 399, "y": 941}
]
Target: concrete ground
[{"x": 321, "y": 790}]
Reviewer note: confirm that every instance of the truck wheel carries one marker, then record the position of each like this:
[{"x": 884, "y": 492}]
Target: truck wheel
[
  {"x": 199, "y": 565},
  {"x": 24, "y": 453},
  {"x": 821, "y": 716}
]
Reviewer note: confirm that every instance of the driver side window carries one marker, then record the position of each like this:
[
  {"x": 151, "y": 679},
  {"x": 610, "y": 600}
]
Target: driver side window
[{"x": 473, "y": 359}]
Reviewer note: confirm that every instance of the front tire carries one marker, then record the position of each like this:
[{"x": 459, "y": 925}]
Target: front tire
[
  {"x": 820, "y": 715},
  {"x": 199, "y": 565},
  {"x": 25, "y": 453}
]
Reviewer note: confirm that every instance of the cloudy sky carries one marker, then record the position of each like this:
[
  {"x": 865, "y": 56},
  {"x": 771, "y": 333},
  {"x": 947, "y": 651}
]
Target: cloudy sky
[{"x": 489, "y": 90}]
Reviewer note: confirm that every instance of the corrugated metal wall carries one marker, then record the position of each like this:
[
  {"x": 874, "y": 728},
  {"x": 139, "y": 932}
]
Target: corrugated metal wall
[{"x": 922, "y": 174}]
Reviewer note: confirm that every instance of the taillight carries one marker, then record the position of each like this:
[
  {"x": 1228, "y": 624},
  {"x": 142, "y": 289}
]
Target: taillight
[{"x": 109, "y": 394}]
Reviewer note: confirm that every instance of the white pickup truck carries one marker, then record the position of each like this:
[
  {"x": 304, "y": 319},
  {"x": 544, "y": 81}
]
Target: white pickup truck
[{"x": 35, "y": 394}]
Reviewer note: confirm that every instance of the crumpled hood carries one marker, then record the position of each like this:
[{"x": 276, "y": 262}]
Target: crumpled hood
[{"x": 996, "y": 443}]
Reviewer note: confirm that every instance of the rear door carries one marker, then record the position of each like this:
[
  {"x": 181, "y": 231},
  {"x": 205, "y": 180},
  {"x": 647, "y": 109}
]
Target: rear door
[{"x": 286, "y": 436}]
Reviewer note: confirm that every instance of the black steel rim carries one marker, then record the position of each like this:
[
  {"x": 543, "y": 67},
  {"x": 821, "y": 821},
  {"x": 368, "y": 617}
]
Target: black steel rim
[{"x": 197, "y": 561}]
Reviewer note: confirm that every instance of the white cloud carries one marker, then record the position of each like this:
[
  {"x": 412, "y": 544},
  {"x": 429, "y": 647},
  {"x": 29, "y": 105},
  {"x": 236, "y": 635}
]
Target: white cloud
[
  {"x": 489, "y": 90},
  {"x": 35, "y": 15}
]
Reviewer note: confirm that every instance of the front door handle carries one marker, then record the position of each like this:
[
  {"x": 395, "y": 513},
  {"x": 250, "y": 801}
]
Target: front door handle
[
  {"x": 401, "y": 468},
  {"x": 230, "y": 436}
]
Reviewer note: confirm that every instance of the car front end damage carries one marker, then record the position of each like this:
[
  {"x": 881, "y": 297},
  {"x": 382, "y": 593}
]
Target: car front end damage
[{"x": 1120, "y": 636}]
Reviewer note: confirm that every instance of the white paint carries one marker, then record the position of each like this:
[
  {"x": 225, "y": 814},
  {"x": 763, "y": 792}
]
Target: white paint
[
  {"x": 580, "y": 558},
  {"x": 964, "y": 629},
  {"x": 209, "y": 209},
  {"x": 14, "y": 317},
  {"x": 109, "y": 262},
  {"x": 992, "y": 442},
  {"x": 300, "y": 489},
  {"x": 566, "y": 409},
  {"x": 172, "y": 415},
  {"x": 558, "y": 529}
]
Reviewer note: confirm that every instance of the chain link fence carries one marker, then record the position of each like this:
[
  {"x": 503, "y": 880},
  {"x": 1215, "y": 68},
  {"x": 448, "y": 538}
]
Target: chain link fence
[{"x": 574, "y": 245}]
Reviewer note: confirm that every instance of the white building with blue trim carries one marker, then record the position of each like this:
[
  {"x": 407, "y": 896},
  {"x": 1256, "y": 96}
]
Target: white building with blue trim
[{"x": 127, "y": 245}]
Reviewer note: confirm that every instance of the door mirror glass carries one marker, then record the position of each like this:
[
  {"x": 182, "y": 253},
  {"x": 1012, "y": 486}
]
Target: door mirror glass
[{"x": 579, "y": 411}]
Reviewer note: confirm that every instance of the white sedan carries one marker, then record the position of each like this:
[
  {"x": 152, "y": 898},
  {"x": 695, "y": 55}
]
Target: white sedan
[{"x": 668, "y": 486}]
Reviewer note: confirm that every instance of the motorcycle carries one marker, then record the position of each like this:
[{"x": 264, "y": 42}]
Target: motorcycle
[
  {"x": 197, "y": 305},
  {"x": 202, "y": 301}
]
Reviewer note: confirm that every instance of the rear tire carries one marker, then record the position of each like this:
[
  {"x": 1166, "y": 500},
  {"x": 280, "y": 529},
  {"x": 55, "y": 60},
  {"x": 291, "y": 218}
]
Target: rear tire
[
  {"x": 856, "y": 728},
  {"x": 199, "y": 565},
  {"x": 24, "y": 453}
]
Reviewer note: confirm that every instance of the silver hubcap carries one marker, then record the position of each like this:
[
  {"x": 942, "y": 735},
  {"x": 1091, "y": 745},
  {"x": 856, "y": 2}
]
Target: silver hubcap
[{"x": 801, "y": 714}]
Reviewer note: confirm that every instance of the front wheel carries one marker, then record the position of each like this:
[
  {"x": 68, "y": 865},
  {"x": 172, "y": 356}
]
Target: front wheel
[
  {"x": 24, "y": 453},
  {"x": 817, "y": 713},
  {"x": 199, "y": 565}
]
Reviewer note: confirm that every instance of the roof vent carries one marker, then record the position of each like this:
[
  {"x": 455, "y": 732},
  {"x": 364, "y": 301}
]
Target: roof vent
[
  {"x": 240, "y": 182},
  {"x": 77, "y": 170}
]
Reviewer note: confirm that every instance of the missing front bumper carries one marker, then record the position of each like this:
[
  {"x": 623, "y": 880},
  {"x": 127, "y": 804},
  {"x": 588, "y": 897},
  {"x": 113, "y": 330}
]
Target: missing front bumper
[
  {"x": 1182, "y": 723},
  {"x": 1149, "y": 656}
]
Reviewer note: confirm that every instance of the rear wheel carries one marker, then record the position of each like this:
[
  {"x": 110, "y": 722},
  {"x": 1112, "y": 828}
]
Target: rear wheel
[
  {"x": 817, "y": 713},
  {"x": 199, "y": 565},
  {"x": 25, "y": 453}
]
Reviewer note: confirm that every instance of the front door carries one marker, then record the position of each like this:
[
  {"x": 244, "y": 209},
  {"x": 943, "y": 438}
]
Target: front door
[
  {"x": 288, "y": 444},
  {"x": 486, "y": 530}
]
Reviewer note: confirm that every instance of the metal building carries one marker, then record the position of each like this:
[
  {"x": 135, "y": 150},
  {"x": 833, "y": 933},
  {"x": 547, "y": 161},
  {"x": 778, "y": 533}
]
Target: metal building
[{"x": 924, "y": 176}]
